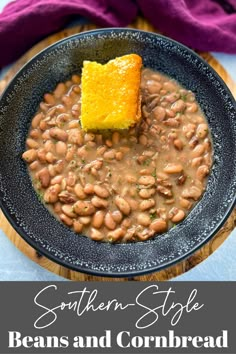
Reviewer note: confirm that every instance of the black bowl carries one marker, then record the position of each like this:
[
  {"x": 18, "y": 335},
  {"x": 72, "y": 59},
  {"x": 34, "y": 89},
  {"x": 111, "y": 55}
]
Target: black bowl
[{"x": 33, "y": 221}]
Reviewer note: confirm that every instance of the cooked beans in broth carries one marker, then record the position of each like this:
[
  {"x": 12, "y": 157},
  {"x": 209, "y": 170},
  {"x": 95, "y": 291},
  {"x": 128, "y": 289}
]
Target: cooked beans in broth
[{"x": 121, "y": 185}]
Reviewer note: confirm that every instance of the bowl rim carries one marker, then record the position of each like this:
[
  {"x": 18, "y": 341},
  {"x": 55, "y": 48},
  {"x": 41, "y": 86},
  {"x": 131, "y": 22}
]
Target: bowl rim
[{"x": 113, "y": 274}]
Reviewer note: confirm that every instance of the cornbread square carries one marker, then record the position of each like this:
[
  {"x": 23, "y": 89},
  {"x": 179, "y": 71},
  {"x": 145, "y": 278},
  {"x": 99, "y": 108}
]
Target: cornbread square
[{"x": 111, "y": 93}]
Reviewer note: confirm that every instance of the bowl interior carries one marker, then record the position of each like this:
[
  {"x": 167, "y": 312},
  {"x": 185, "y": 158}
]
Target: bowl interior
[{"x": 32, "y": 220}]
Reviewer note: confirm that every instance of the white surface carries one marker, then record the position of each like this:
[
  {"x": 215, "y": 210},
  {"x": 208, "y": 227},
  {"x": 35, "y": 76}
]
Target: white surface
[{"x": 4, "y": 3}]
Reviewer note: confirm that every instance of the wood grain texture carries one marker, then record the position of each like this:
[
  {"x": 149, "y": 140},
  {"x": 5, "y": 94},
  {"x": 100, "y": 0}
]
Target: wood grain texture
[{"x": 166, "y": 274}]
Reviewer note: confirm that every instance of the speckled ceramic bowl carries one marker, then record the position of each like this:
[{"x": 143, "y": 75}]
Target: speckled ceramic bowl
[{"x": 33, "y": 221}]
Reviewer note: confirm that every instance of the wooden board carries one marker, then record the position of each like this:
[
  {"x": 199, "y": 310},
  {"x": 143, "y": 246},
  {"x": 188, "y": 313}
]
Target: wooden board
[{"x": 166, "y": 274}]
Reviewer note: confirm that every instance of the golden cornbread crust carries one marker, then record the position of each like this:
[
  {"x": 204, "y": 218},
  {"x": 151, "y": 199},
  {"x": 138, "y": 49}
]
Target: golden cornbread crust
[{"x": 111, "y": 93}]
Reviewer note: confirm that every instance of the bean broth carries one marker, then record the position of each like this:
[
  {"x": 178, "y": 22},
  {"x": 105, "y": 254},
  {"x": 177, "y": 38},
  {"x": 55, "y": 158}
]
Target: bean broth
[{"x": 121, "y": 185}]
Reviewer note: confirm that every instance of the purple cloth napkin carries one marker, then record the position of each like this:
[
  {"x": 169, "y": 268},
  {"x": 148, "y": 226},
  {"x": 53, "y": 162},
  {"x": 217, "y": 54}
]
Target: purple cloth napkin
[{"x": 207, "y": 25}]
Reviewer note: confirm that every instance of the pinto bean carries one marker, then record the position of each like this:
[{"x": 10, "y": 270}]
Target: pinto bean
[
  {"x": 131, "y": 179},
  {"x": 44, "y": 106},
  {"x": 192, "y": 107},
  {"x": 56, "y": 180},
  {"x": 68, "y": 210},
  {"x": 179, "y": 216},
  {"x": 165, "y": 192},
  {"x": 124, "y": 149},
  {"x": 82, "y": 152},
  {"x": 76, "y": 79},
  {"x": 110, "y": 154},
  {"x": 35, "y": 133},
  {"x": 99, "y": 202},
  {"x": 46, "y": 135},
  {"x": 108, "y": 143},
  {"x": 58, "y": 134},
  {"x": 189, "y": 130},
  {"x": 202, "y": 172},
  {"x": 96, "y": 235},
  {"x": 159, "y": 113},
  {"x": 117, "y": 216},
  {"x": 50, "y": 158},
  {"x": 101, "y": 150},
  {"x": 158, "y": 225},
  {"x": 178, "y": 106},
  {"x": 178, "y": 144},
  {"x": 116, "y": 234},
  {"x": 101, "y": 191},
  {"x": 89, "y": 137},
  {"x": 148, "y": 153},
  {"x": 70, "y": 154},
  {"x": 34, "y": 165},
  {"x": 66, "y": 219},
  {"x": 84, "y": 208},
  {"x": 198, "y": 151},
  {"x": 89, "y": 188},
  {"x": 67, "y": 100},
  {"x": 196, "y": 161},
  {"x": 115, "y": 138},
  {"x": 169, "y": 86},
  {"x": 31, "y": 143},
  {"x": 172, "y": 97},
  {"x": 29, "y": 155},
  {"x": 207, "y": 159},
  {"x": 192, "y": 193},
  {"x": 36, "y": 120},
  {"x": 173, "y": 168},
  {"x": 51, "y": 194},
  {"x": 73, "y": 124},
  {"x": 43, "y": 125},
  {"x": 75, "y": 137},
  {"x": 51, "y": 170},
  {"x": 202, "y": 131},
  {"x": 49, "y": 146},
  {"x": 143, "y": 140},
  {"x": 193, "y": 142},
  {"x": 147, "y": 180},
  {"x": 66, "y": 197},
  {"x": 48, "y": 98},
  {"x": 79, "y": 191},
  {"x": 146, "y": 193},
  {"x": 144, "y": 219},
  {"x": 147, "y": 204},
  {"x": 126, "y": 223},
  {"x": 145, "y": 171},
  {"x": 98, "y": 219},
  {"x": 77, "y": 226},
  {"x": 145, "y": 234},
  {"x": 153, "y": 86},
  {"x": 71, "y": 179},
  {"x": 85, "y": 220},
  {"x": 172, "y": 122},
  {"x": 61, "y": 148},
  {"x": 170, "y": 113},
  {"x": 60, "y": 90},
  {"x": 44, "y": 177},
  {"x": 133, "y": 203},
  {"x": 207, "y": 144},
  {"x": 57, "y": 207},
  {"x": 119, "y": 155},
  {"x": 59, "y": 165},
  {"x": 185, "y": 203},
  {"x": 109, "y": 221},
  {"x": 123, "y": 205}
]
